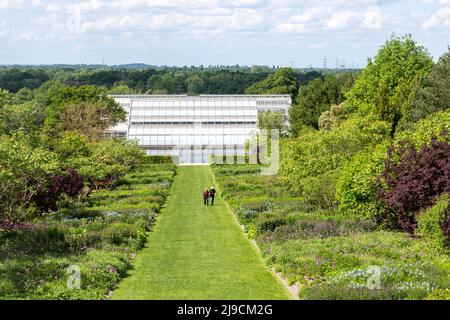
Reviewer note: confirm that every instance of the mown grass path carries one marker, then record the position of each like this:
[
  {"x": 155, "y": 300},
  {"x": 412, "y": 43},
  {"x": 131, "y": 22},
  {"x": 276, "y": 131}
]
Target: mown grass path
[{"x": 198, "y": 252}]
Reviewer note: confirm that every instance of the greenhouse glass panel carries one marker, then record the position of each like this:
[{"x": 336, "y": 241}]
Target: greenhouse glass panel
[{"x": 193, "y": 127}]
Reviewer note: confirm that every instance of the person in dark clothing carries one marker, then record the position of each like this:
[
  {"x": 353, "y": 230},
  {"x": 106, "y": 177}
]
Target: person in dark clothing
[
  {"x": 212, "y": 194},
  {"x": 205, "y": 196}
]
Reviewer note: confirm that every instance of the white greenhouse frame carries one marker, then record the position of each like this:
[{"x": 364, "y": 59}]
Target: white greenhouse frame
[{"x": 190, "y": 127}]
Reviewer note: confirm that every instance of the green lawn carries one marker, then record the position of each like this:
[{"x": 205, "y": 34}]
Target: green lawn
[{"x": 198, "y": 252}]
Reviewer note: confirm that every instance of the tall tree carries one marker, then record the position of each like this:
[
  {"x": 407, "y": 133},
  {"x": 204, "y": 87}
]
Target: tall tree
[
  {"x": 317, "y": 97},
  {"x": 433, "y": 95},
  {"x": 281, "y": 82},
  {"x": 62, "y": 102},
  {"x": 195, "y": 85},
  {"x": 385, "y": 85}
]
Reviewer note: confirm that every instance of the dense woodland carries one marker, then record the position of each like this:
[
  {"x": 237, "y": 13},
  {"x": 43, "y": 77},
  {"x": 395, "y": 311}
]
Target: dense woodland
[
  {"x": 368, "y": 150},
  {"x": 149, "y": 80}
]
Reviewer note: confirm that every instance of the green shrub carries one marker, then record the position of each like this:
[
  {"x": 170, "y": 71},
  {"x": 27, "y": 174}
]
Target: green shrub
[
  {"x": 314, "y": 227},
  {"x": 439, "y": 294},
  {"x": 315, "y": 153},
  {"x": 269, "y": 224},
  {"x": 23, "y": 171},
  {"x": 320, "y": 191},
  {"x": 355, "y": 190},
  {"x": 79, "y": 213},
  {"x": 255, "y": 205},
  {"x": 122, "y": 234},
  {"x": 333, "y": 292},
  {"x": 436, "y": 126},
  {"x": 83, "y": 240},
  {"x": 251, "y": 231},
  {"x": 44, "y": 238},
  {"x": 429, "y": 222},
  {"x": 157, "y": 159}
]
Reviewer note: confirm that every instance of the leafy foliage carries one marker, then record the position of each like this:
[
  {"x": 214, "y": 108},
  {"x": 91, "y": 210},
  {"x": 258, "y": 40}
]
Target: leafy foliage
[
  {"x": 97, "y": 238},
  {"x": 26, "y": 118},
  {"x": 13, "y": 80},
  {"x": 412, "y": 180},
  {"x": 316, "y": 97},
  {"x": 355, "y": 190},
  {"x": 273, "y": 120},
  {"x": 332, "y": 118},
  {"x": 385, "y": 86},
  {"x": 435, "y": 126},
  {"x": 5, "y": 97},
  {"x": 433, "y": 223},
  {"x": 77, "y": 108},
  {"x": 318, "y": 152},
  {"x": 281, "y": 82},
  {"x": 433, "y": 96},
  {"x": 108, "y": 161},
  {"x": 89, "y": 118},
  {"x": 24, "y": 170},
  {"x": 70, "y": 183}
]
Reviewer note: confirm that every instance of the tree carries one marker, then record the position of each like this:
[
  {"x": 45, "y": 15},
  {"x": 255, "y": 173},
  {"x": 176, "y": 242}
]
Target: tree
[
  {"x": 355, "y": 189},
  {"x": 26, "y": 118},
  {"x": 23, "y": 172},
  {"x": 316, "y": 153},
  {"x": 317, "y": 97},
  {"x": 384, "y": 86},
  {"x": 195, "y": 85},
  {"x": 432, "y": 96},
  {"x": 273, "y": 120},
  {"x": 108, "y": 160},
  {"x": 23, "y": 95},
  {"x": 15, "y": 79},
  {"x": 5, "y": 97},
  {"x": 89, "y": 118},
  {"x": 85, "y": 108},
  {"x": 357, "y": 185},
  {"x": 332, "y": 118},
  {"x": 281, "y": 82},
  {"x": 72, "y": 144},
  {"x": 121, "y": 89}
]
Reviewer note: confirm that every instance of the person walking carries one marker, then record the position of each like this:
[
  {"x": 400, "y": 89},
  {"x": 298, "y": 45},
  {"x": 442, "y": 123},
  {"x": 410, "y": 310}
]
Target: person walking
[
  {"x": 205, "y": 196},
  {"x": 212, "y": 194}
]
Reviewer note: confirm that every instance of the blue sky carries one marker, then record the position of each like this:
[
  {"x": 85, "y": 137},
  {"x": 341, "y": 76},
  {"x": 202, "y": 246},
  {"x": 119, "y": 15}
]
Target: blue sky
[{"x": 193, "y": 32}]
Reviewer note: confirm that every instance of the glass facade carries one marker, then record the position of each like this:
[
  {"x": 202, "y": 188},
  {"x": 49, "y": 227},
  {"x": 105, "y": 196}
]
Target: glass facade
[{"x": 193, "y": 127}]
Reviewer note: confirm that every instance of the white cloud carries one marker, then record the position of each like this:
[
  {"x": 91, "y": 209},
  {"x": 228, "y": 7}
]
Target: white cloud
[
  {"x": 193, "y": 17},
  {"x": 341, "y": 19},
  {"x": 441, "y": 18},
  {"x": 311, "y": 14},
  {"x": 373, "y": 18},
  {"x": 85, "y": 6},
  {"x": 10, "y": 4},
  {"x": 95, "y": 24}
]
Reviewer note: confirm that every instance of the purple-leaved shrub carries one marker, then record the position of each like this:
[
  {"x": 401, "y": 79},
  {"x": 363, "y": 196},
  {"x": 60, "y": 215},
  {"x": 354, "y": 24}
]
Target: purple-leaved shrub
[
  {"x": 413, "y": 179},
  {"x": 70, "y": 183}
]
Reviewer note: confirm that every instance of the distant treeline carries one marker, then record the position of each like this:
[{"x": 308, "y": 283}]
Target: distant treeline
[{"x": 149, "y": 79}]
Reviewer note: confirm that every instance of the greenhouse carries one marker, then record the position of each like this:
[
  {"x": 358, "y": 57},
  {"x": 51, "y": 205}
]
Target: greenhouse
[{"x": 194, "y": 127}]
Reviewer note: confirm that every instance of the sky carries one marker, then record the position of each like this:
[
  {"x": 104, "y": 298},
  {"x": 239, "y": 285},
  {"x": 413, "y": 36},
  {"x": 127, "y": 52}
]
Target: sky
[{"x": 299, "y": 33}]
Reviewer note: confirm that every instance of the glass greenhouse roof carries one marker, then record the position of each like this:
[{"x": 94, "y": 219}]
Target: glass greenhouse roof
[{"x": 189, "y": 127}]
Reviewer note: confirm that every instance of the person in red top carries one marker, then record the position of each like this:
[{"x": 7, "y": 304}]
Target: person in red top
[{"x": 205, "y": 196}]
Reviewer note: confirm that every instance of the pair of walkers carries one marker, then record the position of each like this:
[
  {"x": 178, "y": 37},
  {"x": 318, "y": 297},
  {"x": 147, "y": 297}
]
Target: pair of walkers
[{"x": 207, "y": 194}]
